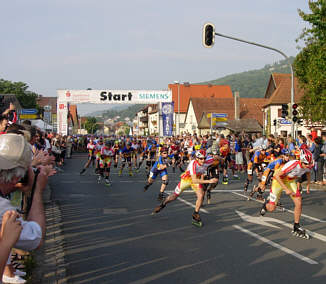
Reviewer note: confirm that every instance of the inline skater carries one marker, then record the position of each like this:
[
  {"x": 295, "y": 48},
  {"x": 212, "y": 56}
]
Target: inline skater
[
  {"x": 105, "y": 162},
  {"x": 285, "y": 179},
  {"x": 194, "y": 178},
  {"x": 226, "y": 157},
  {"x": 213, "y": 172},
  {"x": 125, "y": 155},
  {"x": 255, "y": 165},
  {"x": 151, "y": 157},
  {"x": 116, "y": 152},
  {"x": 267, "y": 176},
  {"x": 176, "y": 157},
  {"x": 97, "y": 152},
  {"x": 135, "y": 146},
  {"x": 159, "y": 168},
  {"x": 91, "y": 155}
]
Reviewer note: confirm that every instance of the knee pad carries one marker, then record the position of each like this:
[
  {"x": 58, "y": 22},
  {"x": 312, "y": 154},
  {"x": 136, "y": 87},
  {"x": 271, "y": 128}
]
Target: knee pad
[{"x": 166, "y": 182}]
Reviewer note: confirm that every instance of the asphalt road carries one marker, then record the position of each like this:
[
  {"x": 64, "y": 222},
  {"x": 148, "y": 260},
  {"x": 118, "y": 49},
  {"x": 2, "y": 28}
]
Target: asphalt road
[{"x": 111, "y": 237}]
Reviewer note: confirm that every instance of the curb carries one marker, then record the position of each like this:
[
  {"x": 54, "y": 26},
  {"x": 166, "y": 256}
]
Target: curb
[{"x": 50, "y": 262}]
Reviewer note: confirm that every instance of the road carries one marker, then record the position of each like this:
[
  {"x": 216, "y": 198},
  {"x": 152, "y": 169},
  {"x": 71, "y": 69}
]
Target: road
[{"x": 111, "y": 237}]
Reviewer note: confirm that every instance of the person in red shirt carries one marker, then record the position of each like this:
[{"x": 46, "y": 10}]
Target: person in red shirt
[{"x": 313, "y": 133}]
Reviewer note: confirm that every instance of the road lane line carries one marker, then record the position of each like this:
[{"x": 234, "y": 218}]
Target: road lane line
[
  {"x": 275, "y": 245},
  {"x": 285, "y": 209},
  {"x": 192, "y": 205}
]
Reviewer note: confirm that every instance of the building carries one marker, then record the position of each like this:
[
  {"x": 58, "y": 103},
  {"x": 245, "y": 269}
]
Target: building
[
  {"x": 49, "y": 104},
  {"x": 278, "y": 92},
  {"x": 240, "y": 114},
  {"x": 181, "y": 94}
]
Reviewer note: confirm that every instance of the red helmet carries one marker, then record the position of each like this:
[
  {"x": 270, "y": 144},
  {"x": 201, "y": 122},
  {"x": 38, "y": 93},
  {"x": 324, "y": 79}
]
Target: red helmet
[
  {"x": 306, "y": 156},
  {"x": 201, "y": 154}
]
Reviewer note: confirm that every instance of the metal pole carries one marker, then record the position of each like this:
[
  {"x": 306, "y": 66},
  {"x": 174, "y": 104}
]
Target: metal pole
[
  {"x": 178, "y": 108},
  {"x": 280, "y": 52}
]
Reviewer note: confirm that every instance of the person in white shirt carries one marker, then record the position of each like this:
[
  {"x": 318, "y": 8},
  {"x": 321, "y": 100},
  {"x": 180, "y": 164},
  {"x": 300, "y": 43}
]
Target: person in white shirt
[{"x": 15, "y": 160}]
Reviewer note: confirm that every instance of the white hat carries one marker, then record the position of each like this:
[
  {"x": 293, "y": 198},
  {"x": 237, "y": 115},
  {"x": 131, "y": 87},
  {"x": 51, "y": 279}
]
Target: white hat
[{"x": 14, "y": 152}]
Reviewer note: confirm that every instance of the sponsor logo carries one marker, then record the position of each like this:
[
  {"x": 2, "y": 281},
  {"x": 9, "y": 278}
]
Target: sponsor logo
[
  {"x": 68, "y": 94},
  {"x": 61, "y": 106},
  {"x": 153, "y": 96},
  {"x": 115, "y": 97}
]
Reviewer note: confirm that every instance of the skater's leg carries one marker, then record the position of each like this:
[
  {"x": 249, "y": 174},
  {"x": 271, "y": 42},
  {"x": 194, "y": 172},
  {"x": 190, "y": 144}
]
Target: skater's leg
[
  {"x": 297, "y": 208},
  {"x": 200, "y": 198}
]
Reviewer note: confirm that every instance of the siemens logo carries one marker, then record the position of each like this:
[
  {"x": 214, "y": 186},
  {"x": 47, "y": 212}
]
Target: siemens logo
[{"x": 153, "y": 96}]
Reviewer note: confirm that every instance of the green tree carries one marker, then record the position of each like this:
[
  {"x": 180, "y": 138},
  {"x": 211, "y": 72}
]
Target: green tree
[
  {"x": 26, "y": 98},
  {"x": 91, "y": 125},
  {"x": 310, "y": 63}
]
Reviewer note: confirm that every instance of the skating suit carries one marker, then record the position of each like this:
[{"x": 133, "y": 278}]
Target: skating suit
[
  {"x": 106, "y": 157},
  {"x": 290, "y": 171},
  {"x": 194, "y": 168}
]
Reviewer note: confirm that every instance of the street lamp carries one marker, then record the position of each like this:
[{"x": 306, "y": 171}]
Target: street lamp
[
  {"x": 178, "y": 83},
  {"x": 211, "y": 33}
]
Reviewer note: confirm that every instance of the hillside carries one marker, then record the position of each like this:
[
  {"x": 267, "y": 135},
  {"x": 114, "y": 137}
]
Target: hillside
[
  {"x": 123, "y": 113},
  {"x": 252, "y": 84}
]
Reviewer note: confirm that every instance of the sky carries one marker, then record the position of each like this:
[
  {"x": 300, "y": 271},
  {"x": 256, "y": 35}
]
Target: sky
[{"x": 139, "y": 44}]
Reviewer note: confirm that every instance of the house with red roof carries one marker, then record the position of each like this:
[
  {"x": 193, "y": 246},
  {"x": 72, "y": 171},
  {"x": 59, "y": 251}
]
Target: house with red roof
[
  {"x": 240, "y": 114},
  {"x": 182, "y": 93},
  {"x": 278, "y": 92}
]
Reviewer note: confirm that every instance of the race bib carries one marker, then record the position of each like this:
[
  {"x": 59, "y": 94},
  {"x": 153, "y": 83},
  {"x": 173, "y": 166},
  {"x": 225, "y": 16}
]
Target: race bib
[
  {"x": 249, "y": 172},
  {"x": 272, "y": 197}
]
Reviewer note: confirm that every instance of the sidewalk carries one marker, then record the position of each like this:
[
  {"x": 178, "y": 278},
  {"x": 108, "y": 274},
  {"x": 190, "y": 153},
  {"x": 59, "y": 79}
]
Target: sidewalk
[{"x": 50, "y": 266}]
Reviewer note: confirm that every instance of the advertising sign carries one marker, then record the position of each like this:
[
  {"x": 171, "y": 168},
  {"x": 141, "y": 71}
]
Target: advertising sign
[
  {"x": 28, "y": 111},
  {"x": 28, "y": 116},
  {"x": 114, "y": 96},
  {"x": 167, "y": 117}
]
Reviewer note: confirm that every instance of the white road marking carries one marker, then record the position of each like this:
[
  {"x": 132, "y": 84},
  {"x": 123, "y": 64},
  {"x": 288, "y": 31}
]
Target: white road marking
[
  {"x": 256, "y": 220},
  {"x": 191, "y": 205},
  {"x": 285, "y": 209},
  {"x": 275, "y": 245},
  {"x": 264, "y": 221}
]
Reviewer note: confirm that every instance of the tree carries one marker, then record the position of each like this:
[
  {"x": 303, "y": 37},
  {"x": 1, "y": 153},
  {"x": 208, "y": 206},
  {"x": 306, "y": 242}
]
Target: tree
[
  {"x": 310, "y": 63},
  {"x": 26, "y": 98},
  {"x": 91, "y": 125}
]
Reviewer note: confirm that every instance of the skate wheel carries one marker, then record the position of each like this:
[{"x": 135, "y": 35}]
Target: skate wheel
[{"x": 197, "y": 224}]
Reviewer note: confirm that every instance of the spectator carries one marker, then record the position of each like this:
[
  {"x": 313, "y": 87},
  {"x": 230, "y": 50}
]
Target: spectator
[
  {"x": 15, "y": 159},
  {"x": 319, "y": 160},
  {"x": 9, "y": 235},
  {"x": 323, "y": 155},
  {"x": 3, "y": 124}
]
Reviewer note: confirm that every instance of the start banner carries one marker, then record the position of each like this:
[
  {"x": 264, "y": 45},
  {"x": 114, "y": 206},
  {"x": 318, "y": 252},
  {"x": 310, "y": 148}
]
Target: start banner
[{"x": 114, "y": 96}]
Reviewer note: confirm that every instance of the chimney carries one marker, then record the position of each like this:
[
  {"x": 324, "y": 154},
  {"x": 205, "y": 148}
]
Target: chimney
[{"x": 236, "y": 105}]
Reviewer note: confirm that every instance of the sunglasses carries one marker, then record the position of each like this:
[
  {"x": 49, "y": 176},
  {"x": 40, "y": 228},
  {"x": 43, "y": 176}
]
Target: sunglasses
[
  {"x": 164, "y": 153},
  {"x": 201, "y": 158}
]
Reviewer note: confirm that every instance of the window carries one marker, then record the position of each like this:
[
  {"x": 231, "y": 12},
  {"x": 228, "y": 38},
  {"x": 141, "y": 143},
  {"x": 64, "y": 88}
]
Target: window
[
  {"x": 279, "y": 112},
  {"x": 284, "y": 133}
]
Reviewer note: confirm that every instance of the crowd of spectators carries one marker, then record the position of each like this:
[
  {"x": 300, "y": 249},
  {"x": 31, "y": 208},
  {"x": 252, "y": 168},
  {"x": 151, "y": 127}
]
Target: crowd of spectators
[{"x": 26, "y": 161}]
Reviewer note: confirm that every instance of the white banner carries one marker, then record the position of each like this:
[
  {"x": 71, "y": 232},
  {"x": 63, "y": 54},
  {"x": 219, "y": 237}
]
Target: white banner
[
  {"x": 114, "y": 96},
  {"x": 62, "y": 114}
]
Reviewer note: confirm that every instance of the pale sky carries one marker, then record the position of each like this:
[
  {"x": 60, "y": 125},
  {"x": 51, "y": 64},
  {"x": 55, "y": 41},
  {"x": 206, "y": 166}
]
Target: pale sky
[{"x": 139, "y": 44}]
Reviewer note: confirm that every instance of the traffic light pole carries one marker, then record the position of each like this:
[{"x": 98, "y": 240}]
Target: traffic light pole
[{"x": 280, "y": 52}]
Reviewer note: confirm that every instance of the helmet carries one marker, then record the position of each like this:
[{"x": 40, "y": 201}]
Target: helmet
[
  {"x": 129, "y": 144},
  {"x": 263, "y": 147},
  {"x": 214, "y": 152},
  {"x": 306, "y": 156},
  {"x": 200, "y": 154}
]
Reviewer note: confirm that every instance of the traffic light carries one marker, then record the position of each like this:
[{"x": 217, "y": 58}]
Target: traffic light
[
  {"x": 294, "y": 113},
  {"x": 285, "y": 112},
  {"x": 208, "y": 35},
  {"x": 274, "y": 122}
]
